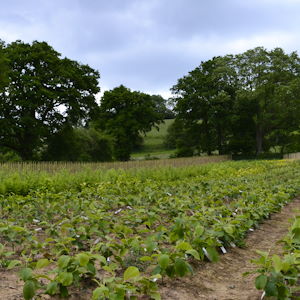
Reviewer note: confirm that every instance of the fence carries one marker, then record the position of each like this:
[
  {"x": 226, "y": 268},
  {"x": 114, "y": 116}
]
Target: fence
[
  {"x": 52, "y": 167},
  {"x": 292, "y": 155}
]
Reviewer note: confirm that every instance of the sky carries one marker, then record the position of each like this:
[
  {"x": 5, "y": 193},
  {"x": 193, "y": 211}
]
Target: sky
[{"x": 147, "y": 45}]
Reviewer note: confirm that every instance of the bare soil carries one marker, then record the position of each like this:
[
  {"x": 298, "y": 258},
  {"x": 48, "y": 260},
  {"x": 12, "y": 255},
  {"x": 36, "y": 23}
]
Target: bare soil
[{"x": 220, "y": 281}]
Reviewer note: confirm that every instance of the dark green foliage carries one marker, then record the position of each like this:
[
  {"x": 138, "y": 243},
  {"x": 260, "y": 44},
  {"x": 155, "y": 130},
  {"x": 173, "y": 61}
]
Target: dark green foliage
[
  {"x": 204, "y": 100},
  {"x": 79, "y": 144},
  {"x": 161, "y": 108},
  {"x": 3, "y": 67},
  {"x": 247, "y": 103},
  {"x": 125, "y": 115},
  {"x": 44, "y": 93},
  {"x": 8, "y": 155}
]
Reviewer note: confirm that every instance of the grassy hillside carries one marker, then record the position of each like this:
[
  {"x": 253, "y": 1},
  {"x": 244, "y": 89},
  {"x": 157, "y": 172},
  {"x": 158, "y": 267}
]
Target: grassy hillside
[{"x": 154, "y": 143}]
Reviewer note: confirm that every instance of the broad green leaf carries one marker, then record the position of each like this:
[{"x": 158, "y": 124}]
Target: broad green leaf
[
  {"x": 28, "y": 290},
  {"x": 296, "y": 234},
  {"x": 271, "y": 289},
  {"x": 42, "y": 263},
  {"x": 65, "y": 278},
  {"x": 131, "y": 273},
  {"x": 181, "y": 267},
  {"x": 229, "y": 229},
  {"x": 18, "y": 228},
  {"x": 157, "y": 270},
  {"x": 163, "y": 260},
  {"x": 83, "y": 259},
  {"x": 199, "y": 230},
  {"x": 261, "y": 281},
  {"x": 155, "y": 296},
  {"x": 52, "y": 288},
  {"x": 212, "y": 254},
  {"x": 63, "y": 261},
  {"x": 183, "y": 246},
  {"x": 26, "y": 274},
  {"x": 277, "y": 263},
  {"x": 91, "y": 268},
  {"x": 194, "y": 253},
  {"x": 100, "y": 258},
  {"x": 100, "y": 292},
  {"x": 146, "y": 258},
  {"x": 63, "y": 291},
  {"x": 13, "y": 263},
  {"x": 170, "y": 270},
  {"x": 155, "y": 277},
  {"x": 262, "y": 253}
]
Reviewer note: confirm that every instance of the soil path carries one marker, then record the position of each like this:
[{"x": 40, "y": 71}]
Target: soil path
[
  {"x": 219, "y": 281},
  {"x": 224, "y": 280}
]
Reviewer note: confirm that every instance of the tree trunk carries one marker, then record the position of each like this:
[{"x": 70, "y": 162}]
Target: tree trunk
[
  {"x": 207, "y": 137},
  {"x": 259, "y": 139},
  {"x": 220, "y": 139}
]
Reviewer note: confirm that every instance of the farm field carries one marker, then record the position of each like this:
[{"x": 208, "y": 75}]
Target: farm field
[
  {"x": 126, "y": 233},
  {"x": 153, "y": 145}
]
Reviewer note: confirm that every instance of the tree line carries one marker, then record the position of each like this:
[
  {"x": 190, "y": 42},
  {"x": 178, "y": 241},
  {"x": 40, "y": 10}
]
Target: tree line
[
  {"x": 48, "y": 109},
  {"x": 242, "y": 104}
]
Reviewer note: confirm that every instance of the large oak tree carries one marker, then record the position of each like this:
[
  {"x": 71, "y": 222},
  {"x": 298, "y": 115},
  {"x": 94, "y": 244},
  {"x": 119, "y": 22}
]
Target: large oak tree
[
  {"x": 43, "y": 94},
  {"x": 125, "y": 114}
]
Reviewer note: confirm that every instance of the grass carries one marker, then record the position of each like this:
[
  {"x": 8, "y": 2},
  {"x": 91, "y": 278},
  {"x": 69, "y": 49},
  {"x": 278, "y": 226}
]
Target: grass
[{"x": 154, "y": 143}]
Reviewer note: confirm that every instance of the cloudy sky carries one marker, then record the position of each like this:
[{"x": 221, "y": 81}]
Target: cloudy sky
[{"x": 148, "y": 44}]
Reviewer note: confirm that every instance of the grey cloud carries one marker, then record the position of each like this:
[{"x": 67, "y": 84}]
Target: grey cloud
[{"x": 149, "y": 44}]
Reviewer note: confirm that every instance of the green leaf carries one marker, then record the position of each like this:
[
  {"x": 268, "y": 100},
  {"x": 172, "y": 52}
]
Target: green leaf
[
  {"x": 170, "y": 271},
  {"x": 52, "y": 288},
  {"x": 26, "y": 274},
  {"x": 271, "y": 289},
  {"x": 63, "y": 291},
  {"x": 83, "y": 259},
  {"x": 194, "y": 253},
  {"x": 296, "y": 234},
  {"x": 229, "y": 229},
  {"x": 180, "y": 267},
  {"x": 99, "y": 292},
  {"x": 28, "y": 290},
  {"x": 155, "y": 296},
  {"x": 277, "y": 263},
  {"x": 146, "y": 258},
  {"x": 13, "y": 263},
  {"x": 155, "y": 277},
  {"x": 44, "y": 262},
  {"x": 163, "y": 260},
  {"x": 100, "y": 258},
  {"x": 65, "y": 278},
  {"x": 261, "y": 281},
  {"x": 63, "y": 261},
  {"x": 18, "y": 228},
  {"x": 91, "y": 268},
  {"x": 183, "y": 246},
  {"x": 199, "y": 230},
  {"x": 130, "y": 273},
  {"x": 212, "y": 254}
]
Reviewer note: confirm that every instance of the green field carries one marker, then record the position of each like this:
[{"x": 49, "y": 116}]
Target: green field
[
  {"x": 120, "y": 232},
  {"x": 154, "y": 143}
]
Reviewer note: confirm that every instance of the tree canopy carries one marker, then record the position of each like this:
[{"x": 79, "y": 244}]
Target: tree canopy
[
  {"x": 43, "y": 93},
  {"x": 126, "y": 114},
  {"x": 245, "y": 103}
]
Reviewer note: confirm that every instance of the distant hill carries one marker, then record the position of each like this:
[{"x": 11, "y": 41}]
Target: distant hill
[{"x": 154, "y": 143}]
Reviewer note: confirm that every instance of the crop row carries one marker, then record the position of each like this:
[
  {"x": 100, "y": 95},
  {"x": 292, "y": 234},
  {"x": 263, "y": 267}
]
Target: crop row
[
  {"x": 121, "y": 236},
  {"x": 279, "y": 276}
]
